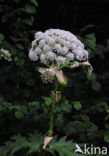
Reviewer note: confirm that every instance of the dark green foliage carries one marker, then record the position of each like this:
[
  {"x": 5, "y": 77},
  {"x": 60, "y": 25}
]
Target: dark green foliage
[
  {"x": 33, "y": 144},
  {"x": 82, "y": 115}
]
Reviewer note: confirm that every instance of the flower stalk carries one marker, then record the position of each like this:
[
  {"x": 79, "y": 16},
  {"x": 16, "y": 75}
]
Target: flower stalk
[{"x": 54, "y": 101}]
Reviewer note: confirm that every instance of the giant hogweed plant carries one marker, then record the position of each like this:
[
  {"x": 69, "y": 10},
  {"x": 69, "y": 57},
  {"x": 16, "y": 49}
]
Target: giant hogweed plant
[{"x": 57, "y": 49}]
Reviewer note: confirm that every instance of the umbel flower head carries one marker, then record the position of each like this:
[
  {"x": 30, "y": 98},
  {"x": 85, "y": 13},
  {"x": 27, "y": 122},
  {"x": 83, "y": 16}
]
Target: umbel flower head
[
  {"x": 57, "y": 48},
  {"x": 5, "y": 54}
]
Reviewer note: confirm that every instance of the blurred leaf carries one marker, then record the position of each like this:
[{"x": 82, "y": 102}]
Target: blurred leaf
[
  {"x": 89, "y": 51},
  {"x": 1, "y": 37},
  {"x": 19, "y": 115},
  {"x": 90, "y": 43},
  {"x": 29, "y": 21},
  {"x": 92, "y": 77},
  {"x": 96, "y": 85},
  {"x": 30, "y": 9},
  {"x": 107, "y": 117},
  {"x": 91, "y": 36},
  {"x": 17, "y": 144},
  {"x": 35, "y": 2},
  {"x": 108, "y": 41},
  {"x": 16, "y": 59},
  {"x": 77, "y": 105},
  {"x": 20, "y": 46},
  {"x": 47, "y": 100},
  {"x": 34, "y": 103},
  {"x": 106, "y": 138},
  {"x": 84, "y": 117},
  {"x": 35, "y": 142}
]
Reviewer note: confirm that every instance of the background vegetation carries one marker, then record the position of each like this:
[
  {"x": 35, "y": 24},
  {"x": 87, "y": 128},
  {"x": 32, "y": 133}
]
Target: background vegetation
[{"x": 82, "y": 115}]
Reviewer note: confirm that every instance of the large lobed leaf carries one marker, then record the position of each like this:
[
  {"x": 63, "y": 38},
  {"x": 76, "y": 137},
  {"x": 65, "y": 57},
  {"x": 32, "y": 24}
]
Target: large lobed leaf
[{"x": 62, "y": 147}]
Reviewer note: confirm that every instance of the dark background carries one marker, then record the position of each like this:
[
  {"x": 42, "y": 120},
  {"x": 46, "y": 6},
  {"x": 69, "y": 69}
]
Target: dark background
[{"x": 73, "y": 15}]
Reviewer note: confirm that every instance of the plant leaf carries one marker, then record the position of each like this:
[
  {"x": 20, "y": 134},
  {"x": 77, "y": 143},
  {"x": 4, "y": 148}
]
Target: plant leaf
[
  {"x": 18, "y": 143},
  {"x": 75, "y": 64},
  {"x": 61, "y": 77},
  {"x": 106, "y": 138},
  {"x": 35, "y": 142},
  {"x": 77, "y": 105},
  {"x": 61, "y": 146},
  {"x": 88, "y": 65}
]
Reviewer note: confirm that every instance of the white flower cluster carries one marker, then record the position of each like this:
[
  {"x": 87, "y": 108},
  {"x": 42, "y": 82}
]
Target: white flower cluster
[
  {"x": 56, "y": 46},
  {"x": 47, "y": 76},
  {"x": 5, "y": 54}
]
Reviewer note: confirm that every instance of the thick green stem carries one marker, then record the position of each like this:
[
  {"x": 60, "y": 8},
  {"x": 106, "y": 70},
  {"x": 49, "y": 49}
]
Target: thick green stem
[{"x": 50, "y": 132}]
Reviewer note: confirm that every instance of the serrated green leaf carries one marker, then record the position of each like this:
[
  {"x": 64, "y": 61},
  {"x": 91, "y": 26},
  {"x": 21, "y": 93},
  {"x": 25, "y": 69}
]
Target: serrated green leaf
[
  {"x": 61, "y": 146},
  {"x": 35, "y": 142},
  {"x": 18, "y": 142}
]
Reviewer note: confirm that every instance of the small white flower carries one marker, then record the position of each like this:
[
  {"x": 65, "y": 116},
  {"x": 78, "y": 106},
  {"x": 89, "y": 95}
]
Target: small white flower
[
  {"x": 33, "y": 56},
  {"x": 50, "y": 41},
  {"x": 64, "y": 50},
  {"x": 43, "y": 58},
  {"x": 70, "y": 56},
  {"x": 38, "y": 34},
  {"x": 46, "y": 48},
  {"x": 85, "y": 55},
  {"x": 66, "y": 43},
  {"x": 42, "y": 43},
  {"x": 47, "y": 76},
  {"x": 60, "y": 60},
  {"x": 51, "y": 56},
  {"x": 79, "y": 55},
  {"x": 57, "y": 48},
  {"x": 38, "y": 50},
  {"x": 34, "y": 43}
]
